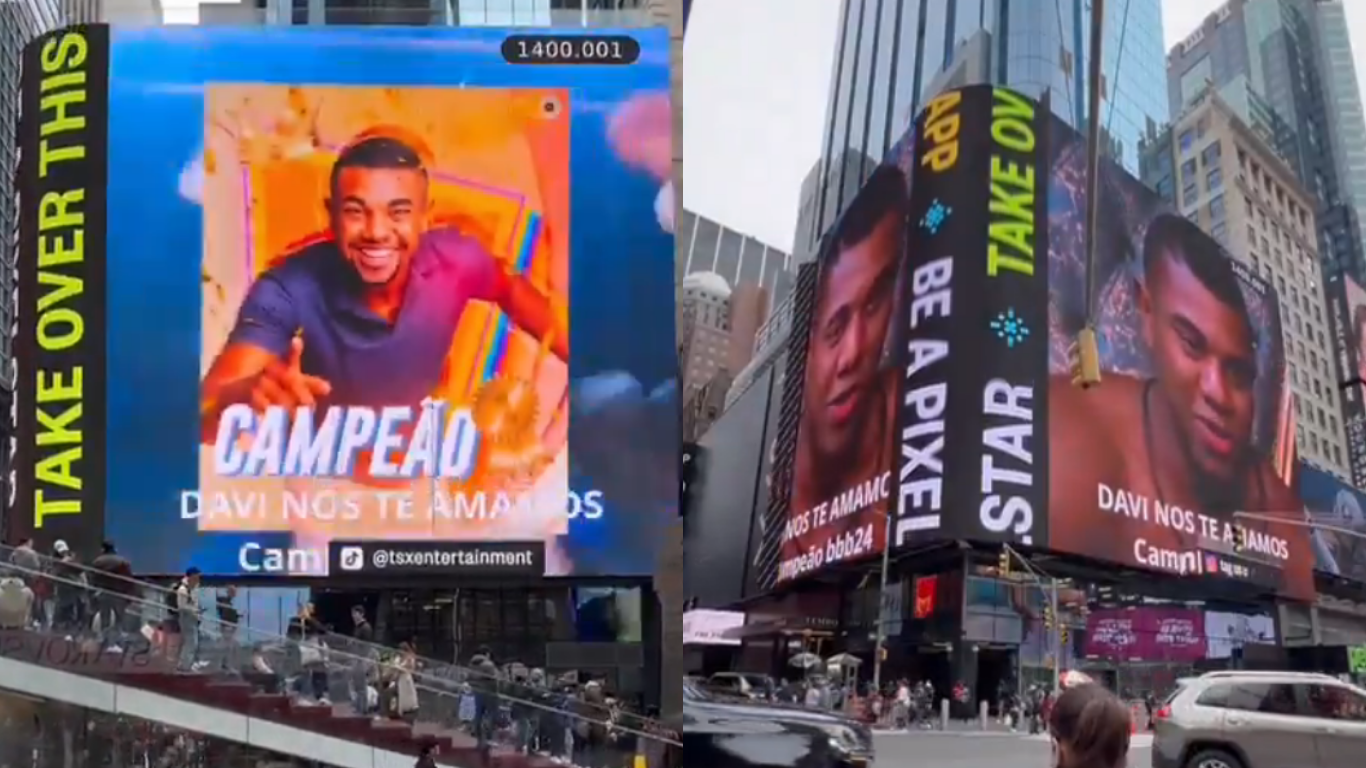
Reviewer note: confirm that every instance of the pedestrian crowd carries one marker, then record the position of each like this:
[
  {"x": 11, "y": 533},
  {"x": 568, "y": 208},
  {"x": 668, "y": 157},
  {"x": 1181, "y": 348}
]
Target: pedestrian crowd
[{"x": 575, "y": 719}]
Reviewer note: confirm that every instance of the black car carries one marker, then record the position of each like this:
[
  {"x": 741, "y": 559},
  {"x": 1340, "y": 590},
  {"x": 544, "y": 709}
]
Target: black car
[{"x": 733, "y": 733}]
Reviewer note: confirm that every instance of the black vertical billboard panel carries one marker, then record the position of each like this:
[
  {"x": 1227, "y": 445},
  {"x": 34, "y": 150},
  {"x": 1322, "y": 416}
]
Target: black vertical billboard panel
[
  {"x": 60, "y": 409},
  {"x": 972, "y": 415}
]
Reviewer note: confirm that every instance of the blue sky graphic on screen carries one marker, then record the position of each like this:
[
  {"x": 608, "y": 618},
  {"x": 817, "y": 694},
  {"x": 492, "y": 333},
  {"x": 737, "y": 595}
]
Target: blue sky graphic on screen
[
  {"x": 356, "y": 286},
  {"x": 1340, "y": 514}
]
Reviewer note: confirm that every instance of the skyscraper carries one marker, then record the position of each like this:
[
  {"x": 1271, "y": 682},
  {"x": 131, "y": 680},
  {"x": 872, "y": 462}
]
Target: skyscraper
[
  {"x": 892, "y": 56},
  {"x": 1295, "y": 59}
]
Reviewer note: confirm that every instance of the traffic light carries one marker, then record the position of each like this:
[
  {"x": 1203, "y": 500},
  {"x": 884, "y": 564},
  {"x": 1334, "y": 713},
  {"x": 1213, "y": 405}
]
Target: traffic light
[
  {"x": 1048, "y": 617},
  {"x": 1062, "y": 635},
  {"x": 1003, "y": 565},
  {"x": 1085, "y": 359}
]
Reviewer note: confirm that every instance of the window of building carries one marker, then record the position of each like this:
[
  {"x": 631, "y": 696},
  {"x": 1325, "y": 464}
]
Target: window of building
[
  {"x": 1186, "y": 141},
  {"x": 1216, "y": 208},
  {"x": 1210, "y": 154}
]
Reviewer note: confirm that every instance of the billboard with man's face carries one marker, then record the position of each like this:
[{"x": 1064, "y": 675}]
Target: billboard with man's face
[
  {"x": 842, "y": 473},
  {"x": 1347, "y": 305},
  {"x": 362, "y": 302},
  {"x": 1192, "y": 422}
]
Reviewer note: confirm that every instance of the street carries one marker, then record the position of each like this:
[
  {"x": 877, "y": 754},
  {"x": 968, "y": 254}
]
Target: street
[{"x": 975, "y": 750}]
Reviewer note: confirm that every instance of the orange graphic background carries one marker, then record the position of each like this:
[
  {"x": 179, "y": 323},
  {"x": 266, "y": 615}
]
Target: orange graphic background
[{"x": 495, "y": 155}]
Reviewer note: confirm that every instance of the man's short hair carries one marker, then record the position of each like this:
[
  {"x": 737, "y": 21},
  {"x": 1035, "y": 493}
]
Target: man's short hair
[
  {"x": 377, "y": 152},
  {"x": 1177, "y": 238},
  {"x": 884, "y": 193}
]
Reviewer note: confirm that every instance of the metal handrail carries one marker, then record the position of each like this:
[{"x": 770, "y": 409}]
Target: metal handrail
[
  {"x": 377, "y": 648},
  {"x": 353, "y": 659}
]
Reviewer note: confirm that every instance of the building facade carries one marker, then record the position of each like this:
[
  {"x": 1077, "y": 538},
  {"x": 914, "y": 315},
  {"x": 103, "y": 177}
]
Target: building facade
[
  {"x": 892, "y": 56},
  {"x": 1295, "y": 56},
  {"x": 705, "y": 245},
  {"x": 1223, "y": 174},
  {"x": 729, "y": 286}
]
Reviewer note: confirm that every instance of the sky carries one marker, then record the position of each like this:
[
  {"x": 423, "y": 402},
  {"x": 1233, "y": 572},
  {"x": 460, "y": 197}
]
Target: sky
[
  {"x": 180, "y": 11},
  {"x": 756, "y": 76}
]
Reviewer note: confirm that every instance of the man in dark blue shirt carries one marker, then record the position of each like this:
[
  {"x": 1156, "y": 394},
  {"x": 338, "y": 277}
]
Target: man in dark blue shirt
[{"x": 378, "y": 304}]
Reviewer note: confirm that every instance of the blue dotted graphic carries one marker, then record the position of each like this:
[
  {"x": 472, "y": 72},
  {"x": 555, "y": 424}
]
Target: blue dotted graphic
[
  {"x": 935, "y": 216},
  {"x": 1010, "y": 328}
]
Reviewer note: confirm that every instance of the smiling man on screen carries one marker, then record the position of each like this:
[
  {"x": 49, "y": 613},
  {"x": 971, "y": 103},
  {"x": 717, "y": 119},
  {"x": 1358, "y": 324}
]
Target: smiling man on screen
[
  {"x": 846, "y": 427},
  {"x": 366, "y": 317},
  {"x": 1183, "y": 437}
]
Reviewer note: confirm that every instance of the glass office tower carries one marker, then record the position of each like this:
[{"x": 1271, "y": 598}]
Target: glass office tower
[
  {"x": 892, "y": 56},
  {"x": 1297, "y": 56}
]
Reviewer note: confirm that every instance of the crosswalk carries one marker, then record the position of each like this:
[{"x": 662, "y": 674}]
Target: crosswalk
[{"x": 1136, "y": 741}]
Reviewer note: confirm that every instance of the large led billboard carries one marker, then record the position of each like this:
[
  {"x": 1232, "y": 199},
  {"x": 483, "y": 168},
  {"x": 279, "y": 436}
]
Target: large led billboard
[
  {"x": 1339, "y": 513},
  {"x": 1192, "y": 422},
  {"x": 1347, "y": 305},
  {"x": 842, "y": 476},
  {"x": 359, "y": 301}
]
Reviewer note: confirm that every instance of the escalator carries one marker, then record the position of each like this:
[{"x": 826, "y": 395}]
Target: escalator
[{"x": 97, "y": 642}]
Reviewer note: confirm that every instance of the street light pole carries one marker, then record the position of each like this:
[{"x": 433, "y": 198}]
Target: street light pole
[
  {"x": 1049, "y": 587},
  {"x": 882, "y": 602},
  {"x": 1316, "y": 541}
]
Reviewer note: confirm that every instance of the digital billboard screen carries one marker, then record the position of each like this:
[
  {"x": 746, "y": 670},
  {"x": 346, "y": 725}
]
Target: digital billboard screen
[
  {"x": 365, "y": 301},
  {"x": 1339, "y": 513},
  {"x": 842, "y": 472},
  {"x": 1347, "y": 306},
  {"x": 1193, "y": 421}
]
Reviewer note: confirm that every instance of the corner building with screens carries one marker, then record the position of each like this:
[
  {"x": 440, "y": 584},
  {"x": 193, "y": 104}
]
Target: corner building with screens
[
  {"x": 467, "y": 511},
  {"x": 893, "y": 56},
  {"x": 1129, "y": 531}
]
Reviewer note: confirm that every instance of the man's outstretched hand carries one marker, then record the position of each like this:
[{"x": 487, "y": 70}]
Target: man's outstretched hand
[{"x": 284, "y": 383}]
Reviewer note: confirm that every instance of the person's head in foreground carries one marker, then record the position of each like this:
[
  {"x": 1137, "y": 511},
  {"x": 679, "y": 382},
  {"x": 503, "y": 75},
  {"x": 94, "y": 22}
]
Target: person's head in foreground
[
  {"x": 853, "y": 314},
  {"x": 378, "y": 206},
  {"x": 1090, "y": 728},
  {"x": 1197, "y": 326}
]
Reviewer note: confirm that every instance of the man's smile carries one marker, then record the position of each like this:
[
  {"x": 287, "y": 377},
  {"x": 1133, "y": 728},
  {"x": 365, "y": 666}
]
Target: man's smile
[{"x": 376, "y": 257}]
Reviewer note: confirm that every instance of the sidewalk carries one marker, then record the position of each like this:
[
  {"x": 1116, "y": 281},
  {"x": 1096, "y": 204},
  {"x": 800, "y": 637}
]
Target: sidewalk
[{"x": 956, "y": 728}]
